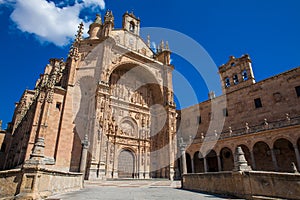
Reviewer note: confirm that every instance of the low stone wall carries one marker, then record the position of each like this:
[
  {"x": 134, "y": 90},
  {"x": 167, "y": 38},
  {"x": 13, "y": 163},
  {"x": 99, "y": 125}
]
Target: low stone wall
[
  {"x": 36, "y": 183},
  {"x": 245, "y": 184},
  {"x": 10, "y": 181}
]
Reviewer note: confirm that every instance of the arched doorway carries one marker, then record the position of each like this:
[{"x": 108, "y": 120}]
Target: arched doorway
[
  {"x": 188, "y": 163},
  {"x": 226, "y": 159},
  {"x": 198, "y": 163},
  {"x": 126, "y": 164},
  {"x": 285, "y": 154},
  {"x": 212, "y": 161},
  {"x": 262, "y": 156}
]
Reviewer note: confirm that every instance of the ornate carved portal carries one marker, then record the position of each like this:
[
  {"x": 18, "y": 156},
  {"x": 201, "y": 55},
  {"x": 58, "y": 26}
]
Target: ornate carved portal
[{"x": 131, "y": 115}]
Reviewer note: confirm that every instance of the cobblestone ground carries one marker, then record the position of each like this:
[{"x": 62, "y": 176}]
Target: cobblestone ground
[{"x": 134, "y": 190}]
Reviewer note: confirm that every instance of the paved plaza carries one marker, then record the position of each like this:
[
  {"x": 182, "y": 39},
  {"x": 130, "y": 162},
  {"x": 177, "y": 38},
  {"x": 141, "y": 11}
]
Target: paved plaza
[{"x": 135, "y": 190}]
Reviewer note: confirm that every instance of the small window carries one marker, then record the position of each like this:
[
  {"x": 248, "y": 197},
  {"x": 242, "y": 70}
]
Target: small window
[
  {"x": 225, "y": 112},
  {"x": 227, "y": 82},
  {"x": 297, "y": 91},
  {"x": 131, "y": 27},
  {"x": 58, "y": 105},
  {"x": 235, "y": 79},
  {"x": 199, "y": 119},
  {"x": 257, "y": 103},
  {"x": 245, "y": 75},
  {"x": 232, "y": 64}
]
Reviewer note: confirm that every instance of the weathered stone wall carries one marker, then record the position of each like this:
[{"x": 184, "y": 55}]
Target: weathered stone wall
[
  {"x": 245, "y": 185},
  {"x": 272, "y": 127},
  {"x": 10, "y": 181},
  {"x": 35, "y": 183},
  {"x": 278, "y": 97}
]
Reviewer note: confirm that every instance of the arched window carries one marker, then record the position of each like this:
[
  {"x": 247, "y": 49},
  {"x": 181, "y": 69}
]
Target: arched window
[
  {"x": 131, "y": 26},
  {"x": 235, "y": 79},
  {"x": 227, "y": 82},
  {"x": 245, "y": 75}
]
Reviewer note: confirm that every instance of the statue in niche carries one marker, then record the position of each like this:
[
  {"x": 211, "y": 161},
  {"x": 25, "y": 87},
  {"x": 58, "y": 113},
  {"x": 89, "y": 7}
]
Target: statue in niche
[
  {"x": 137, "y": 116},
  {"x": 99, "y": 133},
  {"x": 111, "y": 154},
  {"x": 128, "y": 93},
  {"x": 121, "y": 92},
  {"x": 125, "y": 92},
  {"x": 143, "y": 156},
  {"x": 134, "y": 97},
  {"x": 102, "y": 104}
]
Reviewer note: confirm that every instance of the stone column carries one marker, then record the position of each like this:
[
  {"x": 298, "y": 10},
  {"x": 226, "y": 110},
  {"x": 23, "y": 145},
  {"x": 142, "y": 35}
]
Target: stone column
[
  {"x": 147, "y": 164},
  {"x": 253, "y": 160},
  {"x": 37, "y": 156},
  {"x": 109, "y": 160},
  {"x": 219, "y": 163},
  {"x": 183, "y": 159},
  {"x": 140, "y": 166},
  {"x": 115, "y": 158},
  {"x": 84, "y": 153},
  {"x": 205, "y": 164},
  {"x": 297, "y": 155},
  {"x": 274, "y": 160},
  {"x": 192, "y": 164}
]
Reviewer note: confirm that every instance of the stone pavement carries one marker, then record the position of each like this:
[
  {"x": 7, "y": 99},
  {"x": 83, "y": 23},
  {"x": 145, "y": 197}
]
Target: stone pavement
[{"x": 134, "y": 190}]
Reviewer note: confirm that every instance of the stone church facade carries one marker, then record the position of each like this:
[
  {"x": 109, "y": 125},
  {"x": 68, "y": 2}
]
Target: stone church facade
[{"x": 108, "y": 110}]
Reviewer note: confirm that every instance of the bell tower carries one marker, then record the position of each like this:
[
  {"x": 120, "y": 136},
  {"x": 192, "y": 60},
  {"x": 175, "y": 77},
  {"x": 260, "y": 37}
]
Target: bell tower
[
  {"x": 236, "y": 73},
  {"x": 131, "y": 23}
]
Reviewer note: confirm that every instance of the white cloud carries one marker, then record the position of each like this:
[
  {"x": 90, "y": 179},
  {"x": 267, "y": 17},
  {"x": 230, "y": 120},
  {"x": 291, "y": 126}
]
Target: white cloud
[
  {"x": 99, "y": 3},
  {"x": 48, "y": 22}
]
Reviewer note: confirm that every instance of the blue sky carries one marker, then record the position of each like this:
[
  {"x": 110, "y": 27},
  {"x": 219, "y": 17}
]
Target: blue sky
[{"x": 32, "y": 31}]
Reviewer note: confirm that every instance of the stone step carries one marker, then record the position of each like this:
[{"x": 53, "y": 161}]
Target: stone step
[{"x": 265, "y": 198}]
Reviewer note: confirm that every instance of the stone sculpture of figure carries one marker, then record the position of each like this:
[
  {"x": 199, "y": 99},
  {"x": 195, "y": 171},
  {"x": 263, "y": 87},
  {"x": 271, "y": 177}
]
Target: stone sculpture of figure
[
  {"x": 128, "y": 93},
  {"x": 294, "y": 168},
  {"x": 125, "y": 93},
  {"x": 111, "y": 153}
]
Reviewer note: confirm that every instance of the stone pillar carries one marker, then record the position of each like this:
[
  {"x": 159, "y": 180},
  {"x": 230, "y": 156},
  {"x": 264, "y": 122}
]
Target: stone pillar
[
  {"x": 192, "y": 164},
  {"x": 219, "y": 163},
  {"x": 274, "y": 160},
  {"x": 297, "y": 156},
  {"x": 205, "y": 164},
  {"x": 172, "y": 152},
  {"x": 183, "y": 159},
  {"x": 140, "y": 166},
  {"x": 84, "y": 153},
  {"x": 182, "y": 147},
  {"x": 115, "y": 158},
  {"x": 147, "y": 163},
  {"x": 109, "y": 160},
  {"x": 253, "y": 160},
  {"x": 37, "y": 156}
]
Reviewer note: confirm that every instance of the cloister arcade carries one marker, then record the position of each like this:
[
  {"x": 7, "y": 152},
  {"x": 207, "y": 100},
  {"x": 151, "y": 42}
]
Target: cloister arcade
[{"x": 277, "y": 155}]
